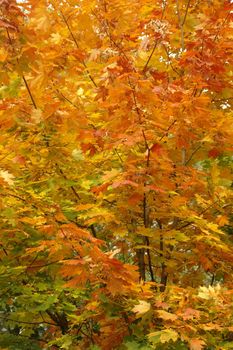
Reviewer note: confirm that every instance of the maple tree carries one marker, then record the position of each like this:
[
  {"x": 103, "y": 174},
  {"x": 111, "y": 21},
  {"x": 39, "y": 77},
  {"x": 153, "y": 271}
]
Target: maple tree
[{"x": 116, "y": 174}]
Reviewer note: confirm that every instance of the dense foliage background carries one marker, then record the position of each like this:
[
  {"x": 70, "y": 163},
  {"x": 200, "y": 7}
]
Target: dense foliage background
[{"x": 116, "y": 174}]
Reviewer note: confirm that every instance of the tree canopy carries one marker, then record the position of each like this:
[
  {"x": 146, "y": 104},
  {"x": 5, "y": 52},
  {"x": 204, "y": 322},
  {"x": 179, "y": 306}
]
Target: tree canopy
[{"x": 116, "y": 175}]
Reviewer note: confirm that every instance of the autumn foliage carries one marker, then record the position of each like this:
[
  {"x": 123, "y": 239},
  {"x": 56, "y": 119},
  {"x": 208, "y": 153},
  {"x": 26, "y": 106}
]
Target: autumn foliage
[{"x": 116, "y": 175}]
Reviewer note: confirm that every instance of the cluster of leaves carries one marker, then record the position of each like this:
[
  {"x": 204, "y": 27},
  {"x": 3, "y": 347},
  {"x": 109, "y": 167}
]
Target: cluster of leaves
[{"x": 116, "y": 174}]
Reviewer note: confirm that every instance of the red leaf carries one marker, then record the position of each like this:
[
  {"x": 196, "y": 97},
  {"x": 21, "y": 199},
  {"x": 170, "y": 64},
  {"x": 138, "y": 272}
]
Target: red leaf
[
  {"x": 213, "y": 153},
  {"x": 156, "y": 149}
]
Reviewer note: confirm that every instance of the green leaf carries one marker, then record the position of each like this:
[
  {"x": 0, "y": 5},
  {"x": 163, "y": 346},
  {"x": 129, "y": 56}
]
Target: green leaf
[
  {"x": 63, "y": 342},
  {"x": 95, "y": 347}
]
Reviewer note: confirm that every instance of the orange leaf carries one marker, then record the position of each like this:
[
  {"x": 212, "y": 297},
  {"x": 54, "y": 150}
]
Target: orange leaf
[
  {"x": 101, "y": 188},
  {"x": 222, "y": 220},
  {"x": 196, "y": 344}
]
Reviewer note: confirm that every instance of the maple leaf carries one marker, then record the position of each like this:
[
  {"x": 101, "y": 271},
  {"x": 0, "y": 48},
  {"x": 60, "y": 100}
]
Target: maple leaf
[
  {"x": 211, "y": 292},
  {"x": 166, "y": 315},
  {"x": 190, "y": 313},
  {"x": 56, "y": 38},
  {"x": 8, "y": 178},
  {"x": 141, "y": 308},
  {"x": 163, "y": 336},
  {"x": 222, "y": 220},
  {"x": 196, "y": 344},
  {"x": 77, "y": 154},
  {"x": 101, "y": 188}
]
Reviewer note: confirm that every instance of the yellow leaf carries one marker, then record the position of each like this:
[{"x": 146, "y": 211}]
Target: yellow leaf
[
  {"x": 168, "y": 334},
  {"x": 166, "y": 315},
  {"x": 7, "y": 177},
  {"x": 164, "y": 336},
  {"x": 56, "y": 38},
  {"x": 141, "y": 308},
  {"x": 33, "y": 221},
  {"x": 148, "y": 232},
  {"x": 215, "y": 173},
  {"x": 40, "y": 21},
  {"x": 209, "y": 292},
  {"x": 207, "y": 138},
  {"x": 81, "y": 207}
]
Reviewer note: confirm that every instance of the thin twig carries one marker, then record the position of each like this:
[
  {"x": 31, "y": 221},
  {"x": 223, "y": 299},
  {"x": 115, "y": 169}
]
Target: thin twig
[
  {"x": 186, "y": 12},
  {"x": 29, "y": 92},
  {"x": 76, "y": 43},
  {"x": 24, "y": 79},
  {"x": 156, "y": 42},
  {"x": 118, "y": 155},
  {"x": 170, "y": 126},
  {"x": 182, "y": 21},
  {"x": 192, "y": 154},
  {"x": 67, "y": 99},
  {"x": 149, "y": 58},
  {"x": 44, "y": 265},
  {"x": 72, "y": 187},
  {"x": 26, "y": 322}
]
